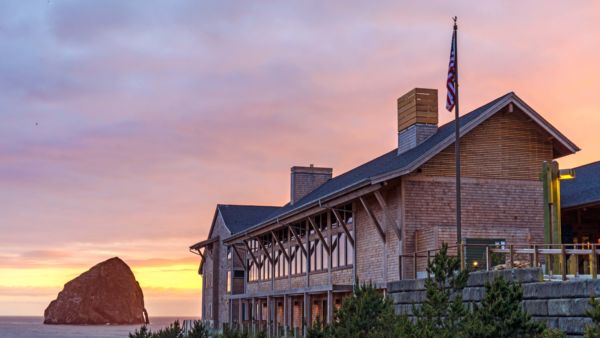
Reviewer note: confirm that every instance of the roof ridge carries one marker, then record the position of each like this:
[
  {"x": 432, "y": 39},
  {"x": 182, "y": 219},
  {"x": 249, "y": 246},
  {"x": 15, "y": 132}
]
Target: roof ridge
[
  {"x": 587, "y": 164},
  {"x": 248, "y": 205}
]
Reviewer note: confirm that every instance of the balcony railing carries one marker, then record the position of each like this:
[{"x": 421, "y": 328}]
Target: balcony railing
[{"x": 564, "y": 260}]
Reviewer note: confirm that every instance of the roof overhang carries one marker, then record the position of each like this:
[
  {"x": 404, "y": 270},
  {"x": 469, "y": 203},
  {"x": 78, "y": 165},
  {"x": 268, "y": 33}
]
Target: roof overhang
[{"x": 204, "y": 243}]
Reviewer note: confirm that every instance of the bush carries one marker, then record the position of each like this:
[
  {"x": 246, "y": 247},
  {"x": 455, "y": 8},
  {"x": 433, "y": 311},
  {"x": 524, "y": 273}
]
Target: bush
[
  {"x": 318, "y": 330},
  {"x": 199, "y": 330},
  {"x": 593, "y": 330},
  {"x": 553, "y": 333},
  {"x": 174, "y": 330},
  {"x": 143, "y": 332}
]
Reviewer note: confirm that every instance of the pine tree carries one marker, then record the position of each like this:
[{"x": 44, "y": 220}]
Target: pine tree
[
  {"x": 366, "y": 314},
  {"x": 318, "y": 330},
  {"x": 501, "y": 314},
  {"x": 593, "y": 330},
  {"x": 199, "y": 330},
  {"x": 443, "y": 312},
  {"x": 174, "y": 330},
  {"x": 143, "y": 332}
]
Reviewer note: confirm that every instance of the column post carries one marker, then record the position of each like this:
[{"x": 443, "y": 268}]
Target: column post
[
  {"x": 306, "y": 319},
  {"x": 329, "y": 307}
]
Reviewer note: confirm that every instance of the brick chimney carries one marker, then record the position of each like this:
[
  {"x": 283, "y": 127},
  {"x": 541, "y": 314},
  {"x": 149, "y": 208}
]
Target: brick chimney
[
  {"x": 417, "y": 117},
  {"x": 306, "y": 179}
]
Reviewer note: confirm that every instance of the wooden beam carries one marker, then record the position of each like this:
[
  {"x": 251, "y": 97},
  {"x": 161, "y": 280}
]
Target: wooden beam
[
  {"x": 299, "y": 240},
  {"x": 262, "y": 246},
  {"x": 237, "y": 253},
  {"x": 352, "y": 196},
  {"x": 390, "y": 220},
  {"x": 252, "y": 254},
  {"x": 372, "y": 217},
  {"x": 344, "y": 226},
  {"x": 281, "y": 246},
  {"x": 312, "y": 222},
  {"x": 334, "y": 201}
]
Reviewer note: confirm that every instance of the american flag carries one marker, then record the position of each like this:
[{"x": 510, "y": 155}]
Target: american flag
[{"x": 451, "y": 84}]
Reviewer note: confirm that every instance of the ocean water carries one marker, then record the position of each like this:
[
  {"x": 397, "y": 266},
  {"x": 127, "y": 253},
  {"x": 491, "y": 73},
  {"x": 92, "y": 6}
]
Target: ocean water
[{"x": 33, "y": 327}]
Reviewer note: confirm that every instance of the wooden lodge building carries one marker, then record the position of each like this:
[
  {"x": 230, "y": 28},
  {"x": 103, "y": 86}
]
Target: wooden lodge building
[{"x": 287, "y": 266}]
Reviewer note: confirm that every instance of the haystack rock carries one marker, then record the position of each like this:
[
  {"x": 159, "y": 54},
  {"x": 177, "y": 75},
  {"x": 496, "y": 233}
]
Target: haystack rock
[{"x": 105, "y": 294}]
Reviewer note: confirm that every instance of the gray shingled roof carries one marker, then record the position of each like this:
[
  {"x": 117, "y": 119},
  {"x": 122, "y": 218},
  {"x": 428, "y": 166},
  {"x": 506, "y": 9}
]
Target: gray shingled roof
[
  {"x": 387, "y": 162},
  {"x": 240, "y": 217},
  {"x": 584, "y": 189},
  {"x": 391, "y": 163}
]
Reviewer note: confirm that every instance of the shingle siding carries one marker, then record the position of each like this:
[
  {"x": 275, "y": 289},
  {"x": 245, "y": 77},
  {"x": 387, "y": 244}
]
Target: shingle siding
[
  {"x": 501, "y": 199},
  {"x": 214, "y": 297}
]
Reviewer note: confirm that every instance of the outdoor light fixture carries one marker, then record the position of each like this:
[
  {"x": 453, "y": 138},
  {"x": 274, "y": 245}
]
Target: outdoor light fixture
[
  {"x": 475, "y": 264},
  {"x": 566, "y": 174},
  {"x": 551, "y": 177}
]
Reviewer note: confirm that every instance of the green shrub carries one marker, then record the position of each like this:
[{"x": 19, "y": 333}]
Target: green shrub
[
  {"x": 143, "y": 332},
  {"x": 553, "y": 333},
  {"x": 199, "y": 330},
  {"x": 367, "y": 313},
  {"x": 174, "y": 330},
  {"x": 593, "y": 330},
  {"x": 318, "y": 330}
]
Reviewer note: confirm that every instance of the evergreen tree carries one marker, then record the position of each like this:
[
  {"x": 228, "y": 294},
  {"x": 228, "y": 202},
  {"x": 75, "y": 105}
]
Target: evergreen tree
[
  {"x": 318, "y": 330},
  {"x": 501, "y": 314},
  {"x": 593, "y": 330},
  {"x": 143, "y": 332},
  {"x": 174, "y": 330},
  {"x": 443, "y": 312},
  {"x": 366, "y": 314},
  {"x": 199, "y": 330},
  {"x": 552, "y": 333}
]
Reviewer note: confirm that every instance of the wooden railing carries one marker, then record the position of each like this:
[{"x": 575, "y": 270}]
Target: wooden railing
[{"x": 558, "y": 259}]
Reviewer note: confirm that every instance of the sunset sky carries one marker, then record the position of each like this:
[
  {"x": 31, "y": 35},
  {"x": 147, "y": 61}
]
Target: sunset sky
[{"x": 123, "y": 123}]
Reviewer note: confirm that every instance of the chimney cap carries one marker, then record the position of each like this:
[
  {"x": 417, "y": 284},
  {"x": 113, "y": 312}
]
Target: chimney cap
[{"x": 311, "y": 169}]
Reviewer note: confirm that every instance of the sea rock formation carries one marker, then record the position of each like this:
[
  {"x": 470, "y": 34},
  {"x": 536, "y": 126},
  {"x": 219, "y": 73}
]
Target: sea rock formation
[{"x": 105, "y": 294}]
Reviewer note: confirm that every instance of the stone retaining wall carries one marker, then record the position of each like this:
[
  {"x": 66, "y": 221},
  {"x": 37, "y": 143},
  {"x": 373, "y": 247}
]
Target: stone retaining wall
[{"x": 559, "y": 304}]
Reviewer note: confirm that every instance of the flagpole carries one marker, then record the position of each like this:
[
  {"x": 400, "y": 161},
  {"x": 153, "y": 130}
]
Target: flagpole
[{"x": 457, "y": 141}]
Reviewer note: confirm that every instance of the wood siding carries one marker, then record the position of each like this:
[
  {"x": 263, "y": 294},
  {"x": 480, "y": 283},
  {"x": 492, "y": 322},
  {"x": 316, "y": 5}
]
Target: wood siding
[{"x": 506, "y": 146}]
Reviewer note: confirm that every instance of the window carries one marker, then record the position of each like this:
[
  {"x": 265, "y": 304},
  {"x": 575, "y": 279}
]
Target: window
[
  {"x": 229, "y": 281},
  {"x": 334, "y": 251},
  {"x": 475, "y": 254},
  {"x": 342, "y": 259},
  {"x": 350, "y": 250},
  {"x": 318, "y": 255},
  {"x": 325, "y": 256}
]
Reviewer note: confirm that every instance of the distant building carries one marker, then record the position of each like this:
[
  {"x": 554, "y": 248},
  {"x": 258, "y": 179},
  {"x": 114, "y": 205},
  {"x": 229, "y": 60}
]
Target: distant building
[
  {"x": 580, "y": 203},
  {"x": 293, "y": 264}
]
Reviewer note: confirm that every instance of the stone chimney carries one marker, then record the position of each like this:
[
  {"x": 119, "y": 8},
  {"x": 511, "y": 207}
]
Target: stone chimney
[
  {"x": 306, "y": 179},
  {"x": 417, "y": 117}
]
